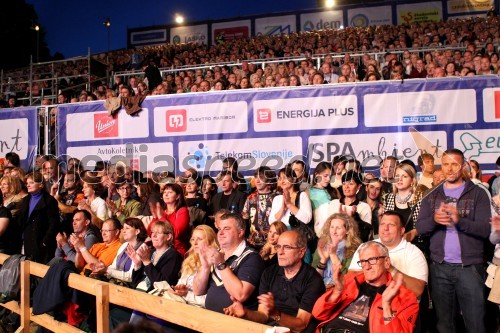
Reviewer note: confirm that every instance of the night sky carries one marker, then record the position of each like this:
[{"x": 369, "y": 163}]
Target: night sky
[{"x": 73, "y": 26}]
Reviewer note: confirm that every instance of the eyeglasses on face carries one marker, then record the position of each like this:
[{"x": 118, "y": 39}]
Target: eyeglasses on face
[
  {"x": 287, "y": 248},
  {"x": 370, "y": 261},
  {"x": 106, "y": 231}
]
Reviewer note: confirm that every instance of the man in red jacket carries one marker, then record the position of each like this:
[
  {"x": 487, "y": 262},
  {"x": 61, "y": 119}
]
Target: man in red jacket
[{"x": 367, "y": 302}]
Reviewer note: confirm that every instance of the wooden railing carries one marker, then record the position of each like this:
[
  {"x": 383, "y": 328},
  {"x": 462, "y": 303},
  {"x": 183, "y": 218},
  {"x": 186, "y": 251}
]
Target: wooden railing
[{"x": 181, "y": 314}]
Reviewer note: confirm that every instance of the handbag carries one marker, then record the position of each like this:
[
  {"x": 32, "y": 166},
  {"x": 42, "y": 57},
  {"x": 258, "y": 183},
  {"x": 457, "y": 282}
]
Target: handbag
[{"x": 300, "y": 226}]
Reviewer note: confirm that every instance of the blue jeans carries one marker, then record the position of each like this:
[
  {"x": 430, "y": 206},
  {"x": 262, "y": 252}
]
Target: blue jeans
[{"x": 450, "y": 283}]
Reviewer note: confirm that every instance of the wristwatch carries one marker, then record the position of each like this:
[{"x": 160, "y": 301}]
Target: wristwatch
[
  {"x": 221, "y": 266},
  {"x": 277, "y": 317}
]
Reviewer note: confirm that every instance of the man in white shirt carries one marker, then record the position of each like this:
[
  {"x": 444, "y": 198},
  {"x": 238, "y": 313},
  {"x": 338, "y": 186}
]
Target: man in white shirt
[{"x": 406, "y": 258}]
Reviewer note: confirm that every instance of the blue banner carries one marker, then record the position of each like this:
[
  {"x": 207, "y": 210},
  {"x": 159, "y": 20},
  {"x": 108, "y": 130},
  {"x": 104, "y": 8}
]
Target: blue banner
[
  {"x": 19, "y": 134},
  {"x": 274, "y": 126}
]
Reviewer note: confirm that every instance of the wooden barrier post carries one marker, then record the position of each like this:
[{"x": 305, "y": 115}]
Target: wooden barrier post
[
  {"x": 102, "y": 307},
  {"x": 24, "y": 307}
]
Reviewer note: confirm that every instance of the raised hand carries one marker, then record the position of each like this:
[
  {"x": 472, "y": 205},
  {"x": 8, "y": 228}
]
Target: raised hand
[{"x": 392, "y": 289}]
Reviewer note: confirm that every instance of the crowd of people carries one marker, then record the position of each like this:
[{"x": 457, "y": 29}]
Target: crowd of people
[
  {"x": 336, "y": 249},
  {"x": 462, "y": 47}
]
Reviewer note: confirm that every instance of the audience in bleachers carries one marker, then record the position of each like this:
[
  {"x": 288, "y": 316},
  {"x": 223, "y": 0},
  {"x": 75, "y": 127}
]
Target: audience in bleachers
[
  {"x": 462, "y": 47},
  {"x": 228, "y": 279}
]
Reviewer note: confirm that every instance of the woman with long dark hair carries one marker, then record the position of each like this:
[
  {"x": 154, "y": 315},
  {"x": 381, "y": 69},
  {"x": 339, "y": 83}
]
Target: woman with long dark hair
[{"x": 176, "y": 212}]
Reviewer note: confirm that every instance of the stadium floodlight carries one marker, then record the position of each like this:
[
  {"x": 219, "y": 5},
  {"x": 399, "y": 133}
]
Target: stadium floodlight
[
  {"x": 179, "y": 19},
  {"x": 329, "y": 3}
]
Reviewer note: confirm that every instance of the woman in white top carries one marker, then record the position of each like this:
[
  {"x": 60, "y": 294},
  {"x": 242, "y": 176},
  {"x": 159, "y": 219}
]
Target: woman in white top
[
  {"x": 349, "y": 204},
  {"x": 95, "y": 205},
  {"x": 292, "y": 201}
]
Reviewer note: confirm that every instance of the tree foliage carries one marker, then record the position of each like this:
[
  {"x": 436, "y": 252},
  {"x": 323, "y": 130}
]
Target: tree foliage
[{"x": 18, "y": 35}]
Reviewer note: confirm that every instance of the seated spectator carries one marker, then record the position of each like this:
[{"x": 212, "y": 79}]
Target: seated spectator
[
  {"x": 268, "y": 251},
  {"x": 120, "y": 271},
  {"x": 92, "y": 203},
  {"x": 176, "y": 213},
  {"x": 406, "y": 258},
  {"x": 202, "y": 236},
  {"x": 338, "y": 242},
  {"x": 369, "y": 301},
  {"x": 81, "y": 229},
  {"x": 100, "y": 254},
  {"x": 288, "y": 290},
  {"x": 232, "y": 274},
  {"x": 125, "y": 206},
  {"x": 160, "y": 264}
]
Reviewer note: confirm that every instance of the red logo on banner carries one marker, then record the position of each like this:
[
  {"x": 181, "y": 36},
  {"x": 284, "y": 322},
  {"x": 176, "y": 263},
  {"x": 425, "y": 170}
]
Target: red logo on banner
[
  {"x": 497, "y": 104},
  {"x": 264, "y": 115},
  {"x": 134, "y": 164},
  {"x": 176, "y": 120},
  {"x": 105, "y": 126}
]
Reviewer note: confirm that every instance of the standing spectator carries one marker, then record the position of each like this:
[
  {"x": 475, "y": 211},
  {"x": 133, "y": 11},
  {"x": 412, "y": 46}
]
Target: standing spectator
[
  {"x": 456, "y": 214},
  {"x": 258, "y": 206},
  {"x": 152, "y": 74},
  {"x": 39, "y": 220}
]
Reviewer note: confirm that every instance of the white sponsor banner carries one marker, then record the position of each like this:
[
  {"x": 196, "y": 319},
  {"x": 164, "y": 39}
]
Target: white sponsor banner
[
  {"x": 155, "y": 157},
  {"x": 420, "y": 108},
  {"x": 189, "y": 34},
  {"x": 491, "y": 105},
  {"x": 87, "y": 126},
  {"x": 468, "y": 6},
  {"x": 180, "y": 120},
  {"x": 371, "y": 148},
  {"x": 368, "y": 16},
  {"x": 420, "y": 12},
  {"x": 231, "y": 30},
  {"x": 274, "y": 152},
  {"x": 14, "y": 137},
  {"x": 481, "y": 145},
  {"x": 275, "y": 25},
  {"x": 305, "y": 113},
  {"x": 332, "y": 19}
]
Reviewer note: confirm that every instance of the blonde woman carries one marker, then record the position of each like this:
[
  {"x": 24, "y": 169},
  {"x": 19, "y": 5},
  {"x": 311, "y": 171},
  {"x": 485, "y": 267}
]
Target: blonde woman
[
  {"x": 11, "y": 192},
  {"x": 405, "y": 200},
  {"x": 337, "y": 244},
  {"x": 202, "y": 235}
]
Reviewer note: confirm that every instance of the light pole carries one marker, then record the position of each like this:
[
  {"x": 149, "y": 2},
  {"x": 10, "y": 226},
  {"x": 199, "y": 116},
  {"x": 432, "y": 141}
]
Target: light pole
[
  {"x": 37, "y": 29},
  {"x": 107, "y": 23}
]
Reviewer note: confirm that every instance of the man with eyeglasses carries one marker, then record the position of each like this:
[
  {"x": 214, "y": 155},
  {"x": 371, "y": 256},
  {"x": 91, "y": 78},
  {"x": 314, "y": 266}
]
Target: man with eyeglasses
[
  {"x": 288, "y": 290},
  {"x": 370, "y": 301},
  {"x": 406, "y": 258},
  {"x": 100, "y": 253}
]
